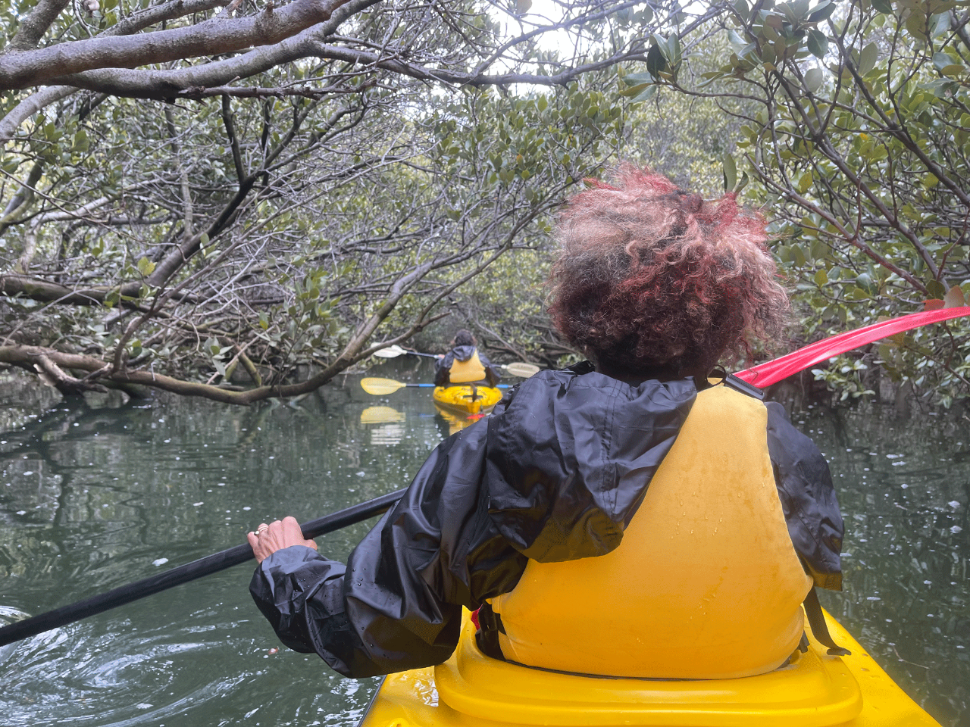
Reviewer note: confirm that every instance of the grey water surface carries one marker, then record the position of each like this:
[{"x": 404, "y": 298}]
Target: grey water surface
[{"x": 93, "y": 498}]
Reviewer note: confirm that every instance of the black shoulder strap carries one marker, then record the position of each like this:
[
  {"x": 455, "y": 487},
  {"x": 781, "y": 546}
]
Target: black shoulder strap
[
  {"x": 816, "y": 619},
  {"x": 489, "y": 627},
  {"x": 744, "y": 387}
]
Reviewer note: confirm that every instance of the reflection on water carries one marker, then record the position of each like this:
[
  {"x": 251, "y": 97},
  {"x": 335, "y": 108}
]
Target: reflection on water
[
  {"x": 91, "y": 499},
  {"x": 381, "y": 415},
  {"x": 456, "y": 421},
  {"x": 389, "y": 429}
]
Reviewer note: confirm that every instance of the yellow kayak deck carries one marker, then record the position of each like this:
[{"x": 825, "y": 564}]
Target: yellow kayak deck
[
  {"x": 815, "y": 690},
  {"x": 467, "y": 399}
]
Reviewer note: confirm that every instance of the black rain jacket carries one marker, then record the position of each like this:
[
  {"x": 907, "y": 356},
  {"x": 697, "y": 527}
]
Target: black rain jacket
[
  {"x": 442, "y": 366},
  {"x": 556, "y": 473}
]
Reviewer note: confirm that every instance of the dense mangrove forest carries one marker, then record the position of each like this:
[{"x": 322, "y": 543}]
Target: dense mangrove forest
[{"x": 192, "y": 203}]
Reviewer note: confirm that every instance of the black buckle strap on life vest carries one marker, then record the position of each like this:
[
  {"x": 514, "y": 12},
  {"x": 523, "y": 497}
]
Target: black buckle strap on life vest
[
  {"x": 816, "y": 619},
  {"x": 489, "y": 627},
  {"x": 744, "y": 387}
]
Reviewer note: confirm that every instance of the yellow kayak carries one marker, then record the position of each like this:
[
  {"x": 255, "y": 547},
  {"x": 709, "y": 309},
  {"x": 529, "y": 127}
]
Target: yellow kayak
[
  {"x": 467, "y": 399},
  {"x": 815, "y": 690}
]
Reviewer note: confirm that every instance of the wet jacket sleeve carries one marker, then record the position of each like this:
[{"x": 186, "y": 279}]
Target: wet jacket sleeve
[
  {"x": 397, "y": 603},
  {"x": 807, "y": 498},
  {"x": 442, "y": 369}
]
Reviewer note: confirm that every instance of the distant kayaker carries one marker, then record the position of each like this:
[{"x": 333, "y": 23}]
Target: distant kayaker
[
  {"x": 626, "y": 516},
  {"x": 464, "y": 364}
]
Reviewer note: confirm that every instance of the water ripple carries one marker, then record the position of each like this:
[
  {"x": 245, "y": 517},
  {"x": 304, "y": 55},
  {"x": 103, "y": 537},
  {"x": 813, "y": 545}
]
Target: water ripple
[{"x": 127, "y": 677}]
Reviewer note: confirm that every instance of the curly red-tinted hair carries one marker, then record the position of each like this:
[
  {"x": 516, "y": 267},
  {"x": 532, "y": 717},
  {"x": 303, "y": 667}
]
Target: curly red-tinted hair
[{"x": 652, "y": 278}]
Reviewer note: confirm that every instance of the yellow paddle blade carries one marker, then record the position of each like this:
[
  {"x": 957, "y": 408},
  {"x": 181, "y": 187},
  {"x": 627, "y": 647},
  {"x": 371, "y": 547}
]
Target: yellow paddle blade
[
  {"x": 380, "y": 387},
  {"x": 525, "y": 370}
]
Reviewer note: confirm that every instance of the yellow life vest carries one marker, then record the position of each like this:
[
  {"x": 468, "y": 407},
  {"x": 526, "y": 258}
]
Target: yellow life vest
[
  {"x": 705, "y": 584},
  {"x": 462, "y": 372}
]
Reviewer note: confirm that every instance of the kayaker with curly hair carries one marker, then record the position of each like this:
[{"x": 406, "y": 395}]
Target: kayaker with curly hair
[{"x": 633, "y": 515}]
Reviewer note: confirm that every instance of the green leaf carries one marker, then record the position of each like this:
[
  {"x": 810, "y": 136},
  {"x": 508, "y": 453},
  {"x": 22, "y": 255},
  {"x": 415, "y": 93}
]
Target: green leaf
[
  {"x": 939, "y": 24},
  {"x": 730, "y": 173},
  {"x": 749, "y": 52},
  {"x": 817, "y": 43},
  {"x": 821, "y": 278},
  {"x": 941, "y": 88},
  {"x": 868, "y": 58},
  {"x": 941, "y": 60},
  {"x": 914, "y": 23},
  {"x": 822, "y": 12},
  {"x": 935, "y": 289},
  {"x": 81, "y": 142},
  {"x": 813, "y": 79},
  {"x": 631, "y": 91},
  {"x": 636, "y": 79},
  {"x": 673, "y": 49},
  {"x": 645, "y": 95},
  {"x": 145, "y": 266},
  {"x": 656, "y": 63},
  {"x": 882, "y": 6},
  {"x": 805, "y": 183},
  {"x": 797, "y": 10}
]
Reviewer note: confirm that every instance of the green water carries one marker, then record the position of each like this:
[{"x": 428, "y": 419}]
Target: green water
[{"x": 93, "y": 498}]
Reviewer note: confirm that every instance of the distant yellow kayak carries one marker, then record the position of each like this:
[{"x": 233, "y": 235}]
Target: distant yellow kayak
[
  {"x": 815, "y": 690},
  {"x": 466, "y": 398}
]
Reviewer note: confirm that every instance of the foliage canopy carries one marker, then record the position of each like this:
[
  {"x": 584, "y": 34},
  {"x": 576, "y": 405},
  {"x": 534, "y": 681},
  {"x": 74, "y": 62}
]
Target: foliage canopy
[
  {"x": 855, "y": 134},
  {"x": 303, "y": 195},
  {"x": 193, "y": 187}
]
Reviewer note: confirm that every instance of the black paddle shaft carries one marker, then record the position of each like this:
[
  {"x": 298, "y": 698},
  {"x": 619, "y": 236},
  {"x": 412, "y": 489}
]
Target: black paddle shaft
[{"x": 184, "y": 573}]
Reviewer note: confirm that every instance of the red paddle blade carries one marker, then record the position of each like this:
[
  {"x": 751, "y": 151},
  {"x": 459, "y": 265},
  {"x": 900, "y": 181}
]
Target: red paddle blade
[{"x": 772, "y": 372}]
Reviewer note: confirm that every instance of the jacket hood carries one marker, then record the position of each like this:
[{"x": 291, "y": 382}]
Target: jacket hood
[
  {"x": 463, "y": 353},
  {"x": 576, "y": 441}
]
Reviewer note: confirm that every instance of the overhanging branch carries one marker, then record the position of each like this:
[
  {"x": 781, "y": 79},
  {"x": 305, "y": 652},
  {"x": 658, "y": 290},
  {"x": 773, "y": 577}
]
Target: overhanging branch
[
  {"x": 138, "y": 21},
  {"x": 21, "y": 69}
]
